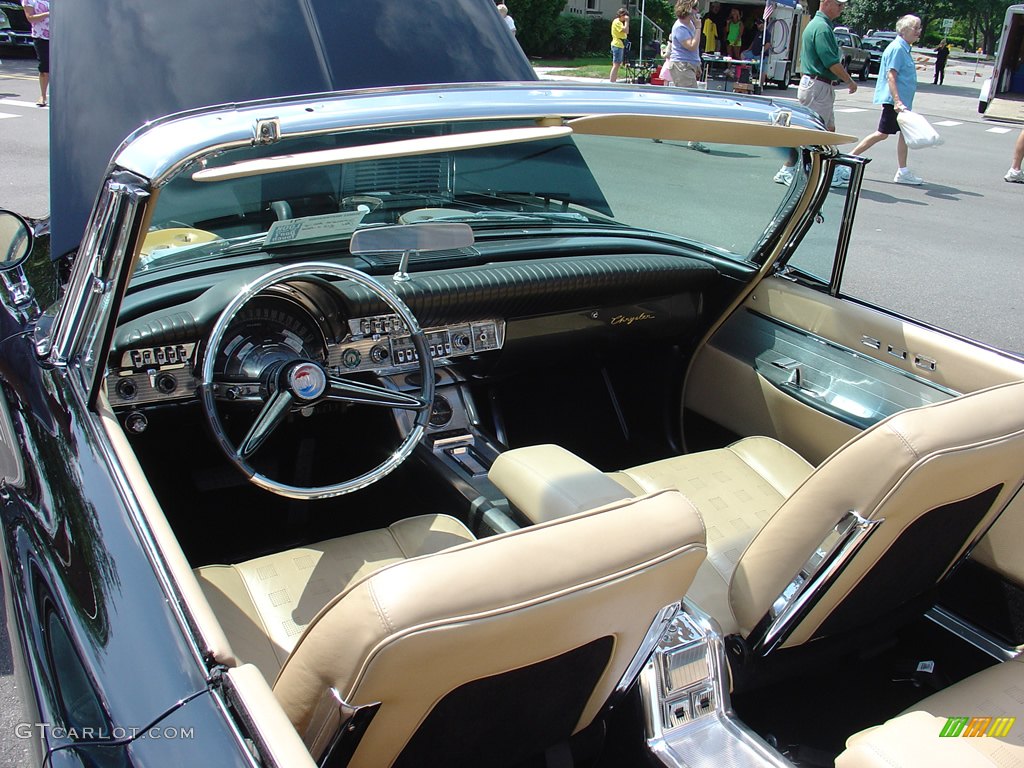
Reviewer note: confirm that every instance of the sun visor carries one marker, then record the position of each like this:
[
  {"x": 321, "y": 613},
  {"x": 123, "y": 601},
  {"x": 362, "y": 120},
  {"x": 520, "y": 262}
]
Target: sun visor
[{"x": 707, "y": 129}]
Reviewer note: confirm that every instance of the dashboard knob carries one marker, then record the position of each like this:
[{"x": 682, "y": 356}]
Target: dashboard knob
[
  {"x": 136, "y": 422},
  {"x": 165, "y": 383},
  {"x": 460, "y": 340},
  {"x": 379, "y": 353},
  {"x": 126, "y": 389}
]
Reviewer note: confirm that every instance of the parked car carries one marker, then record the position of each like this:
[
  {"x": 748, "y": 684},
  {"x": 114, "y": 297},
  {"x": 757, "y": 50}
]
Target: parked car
[
  {"x": 326, "y": 433},
  {"x": 875, "y": 46},
  {"x": 15, "y": 31},
  {"x": 855, "y": 57}
]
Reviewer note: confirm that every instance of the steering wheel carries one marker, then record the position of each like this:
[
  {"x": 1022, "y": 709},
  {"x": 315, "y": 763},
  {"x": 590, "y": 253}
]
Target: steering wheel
[{"x": 297, "y": 383}]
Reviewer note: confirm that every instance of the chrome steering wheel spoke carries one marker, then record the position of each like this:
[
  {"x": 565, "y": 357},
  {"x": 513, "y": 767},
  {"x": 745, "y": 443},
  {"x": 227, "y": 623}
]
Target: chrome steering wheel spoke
[
  {"x": 349, "y": 391},
  {"x": 275, "y": 411}
]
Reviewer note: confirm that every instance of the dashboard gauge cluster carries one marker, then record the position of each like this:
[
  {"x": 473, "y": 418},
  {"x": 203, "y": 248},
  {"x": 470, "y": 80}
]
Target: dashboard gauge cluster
[
  {"x": 153, "y": 374},
  {"x": 382, "y": 343}
]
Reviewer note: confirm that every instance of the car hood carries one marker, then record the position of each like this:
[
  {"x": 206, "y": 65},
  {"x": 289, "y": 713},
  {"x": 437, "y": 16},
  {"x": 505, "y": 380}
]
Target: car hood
[{"x": 117, "y": 64}]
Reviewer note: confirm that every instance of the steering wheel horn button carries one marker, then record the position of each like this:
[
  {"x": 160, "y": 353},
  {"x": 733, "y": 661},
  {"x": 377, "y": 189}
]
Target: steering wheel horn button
[{"x": 307, "y": 381}]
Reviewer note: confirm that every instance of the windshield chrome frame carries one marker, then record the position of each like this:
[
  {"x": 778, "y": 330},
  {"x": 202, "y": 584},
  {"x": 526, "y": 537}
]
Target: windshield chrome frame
[
  {"x": 78, "y": 332},
  {"x": 157, "y": 152}
]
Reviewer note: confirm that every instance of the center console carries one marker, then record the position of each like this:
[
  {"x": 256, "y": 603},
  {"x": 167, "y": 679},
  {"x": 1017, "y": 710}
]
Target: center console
[
  {"x": 461, "y": 451},
  {"x": 685, "y": 691}
]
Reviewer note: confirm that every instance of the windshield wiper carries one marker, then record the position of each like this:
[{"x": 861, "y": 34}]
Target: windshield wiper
[{"x": 164, "y": 257}]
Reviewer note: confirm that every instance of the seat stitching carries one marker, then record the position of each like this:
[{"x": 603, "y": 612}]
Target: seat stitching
[
  {"x": 382, "y": 613},
  {"x": 391, "y": 532},
  {"x": 905, "y": 440},
  {"x": 259, "y": 614},
  {"x": 599, "y": 581},
  {"x": 884, "y": 756},
  {"x": 774, "y": 487}
]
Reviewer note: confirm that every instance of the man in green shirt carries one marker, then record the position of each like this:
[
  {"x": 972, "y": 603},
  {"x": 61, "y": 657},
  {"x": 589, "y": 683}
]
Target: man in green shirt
[
  {"x": 821, "y": 63},
  {"x": 822, "y": 68}
]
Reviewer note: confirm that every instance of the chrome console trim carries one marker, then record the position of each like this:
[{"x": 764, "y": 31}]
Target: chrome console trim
[
  {"x": 822, "y": 567},
  {"x": 971, "y": 634},
  {"x": 659, "y": 627},
  {"x": 685, "y": 692}
]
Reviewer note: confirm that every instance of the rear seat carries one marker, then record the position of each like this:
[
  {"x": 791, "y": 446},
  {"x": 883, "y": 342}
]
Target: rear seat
[{"x": 913, "y": 739}]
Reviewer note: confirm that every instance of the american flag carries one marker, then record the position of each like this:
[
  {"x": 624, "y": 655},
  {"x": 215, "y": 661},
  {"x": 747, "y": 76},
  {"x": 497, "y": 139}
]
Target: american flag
[{"x": 769, "y": 9}]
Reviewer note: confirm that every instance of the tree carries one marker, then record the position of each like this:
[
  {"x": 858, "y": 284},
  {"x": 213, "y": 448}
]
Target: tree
[
  {"x": 985, "y": 21},
  {"x": 984, "y": 18},
  {"x": 535, "y": 22}
]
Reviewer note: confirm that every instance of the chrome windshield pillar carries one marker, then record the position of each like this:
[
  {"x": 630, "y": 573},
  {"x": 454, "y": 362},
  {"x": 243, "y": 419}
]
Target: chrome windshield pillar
[{"x": 109, "y": 240}]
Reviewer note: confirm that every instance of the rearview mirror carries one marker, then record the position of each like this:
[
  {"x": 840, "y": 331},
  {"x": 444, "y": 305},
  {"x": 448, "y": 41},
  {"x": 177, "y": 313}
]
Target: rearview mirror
[
  {"x": 15, "y": 240},
  {"x": 406, "y": 238}
]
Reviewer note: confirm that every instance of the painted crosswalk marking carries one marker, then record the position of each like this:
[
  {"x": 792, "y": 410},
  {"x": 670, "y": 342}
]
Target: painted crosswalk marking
[
  {"x": 1000, "y": 130},
  {"x": 850, "y": 110},
  {"x": 6, "y": 114},
  {"x": 949, "y": 123}
]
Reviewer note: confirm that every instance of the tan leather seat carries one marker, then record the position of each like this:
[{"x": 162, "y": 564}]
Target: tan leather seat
[
  {"x": 912, "y": 740},
  {"x": 924, "y": 485},
  {"x": 787, "y": 561},
  {"x": 266, "y": 603},
  {"x": 526, "y": 635}
]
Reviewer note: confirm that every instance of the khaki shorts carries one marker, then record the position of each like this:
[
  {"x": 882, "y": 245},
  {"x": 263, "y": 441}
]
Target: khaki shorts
[
  {"x": 682, "y": 74},
  {"x": 819, "y": 96}
]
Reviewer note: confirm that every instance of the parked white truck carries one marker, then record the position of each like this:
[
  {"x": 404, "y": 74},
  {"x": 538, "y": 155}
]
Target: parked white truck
[{"x": 1002, "y": 94}]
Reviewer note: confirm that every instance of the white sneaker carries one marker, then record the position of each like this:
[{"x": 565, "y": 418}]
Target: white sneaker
[
  {"x": 785, "y": 175},
  {"x": 841, "y": 177},
  {"x": 907, "y": 177},
  {"x": 1015, "y": 176}
]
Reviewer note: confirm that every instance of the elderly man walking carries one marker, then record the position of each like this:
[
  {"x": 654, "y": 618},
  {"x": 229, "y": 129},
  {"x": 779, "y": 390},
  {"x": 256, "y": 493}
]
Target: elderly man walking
[{"x": 822, "y": 69}]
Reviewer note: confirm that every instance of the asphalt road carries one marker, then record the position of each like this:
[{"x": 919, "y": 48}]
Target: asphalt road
[{"x": 950, "y": 252}]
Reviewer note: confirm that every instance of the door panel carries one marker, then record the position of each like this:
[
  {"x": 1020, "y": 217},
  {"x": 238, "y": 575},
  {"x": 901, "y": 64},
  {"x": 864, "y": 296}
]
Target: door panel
[
  {"x": 811, "y": 369},
  {"x": 959, "y": 365}
]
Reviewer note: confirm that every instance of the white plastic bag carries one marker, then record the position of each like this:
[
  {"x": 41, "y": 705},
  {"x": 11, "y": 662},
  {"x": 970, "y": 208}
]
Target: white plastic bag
[{"x": 917, "y": 131}]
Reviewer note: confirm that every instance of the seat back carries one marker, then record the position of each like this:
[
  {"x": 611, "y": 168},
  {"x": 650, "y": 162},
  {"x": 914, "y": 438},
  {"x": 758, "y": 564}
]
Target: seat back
[
  {"x": 931, "y": 479},
  {"x": 492, "y": 651}
]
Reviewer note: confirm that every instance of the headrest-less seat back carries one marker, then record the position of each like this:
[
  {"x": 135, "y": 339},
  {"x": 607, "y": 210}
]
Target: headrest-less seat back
[
  {"x": 938, "y": 475},
  {"x": 512, "y": 630}
]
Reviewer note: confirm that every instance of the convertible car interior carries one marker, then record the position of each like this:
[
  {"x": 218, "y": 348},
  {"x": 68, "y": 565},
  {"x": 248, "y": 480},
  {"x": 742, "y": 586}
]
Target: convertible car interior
[{"x": 470, "y": 426}]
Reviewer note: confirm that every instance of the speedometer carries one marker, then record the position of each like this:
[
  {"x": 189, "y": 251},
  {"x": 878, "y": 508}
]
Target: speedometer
[{"x": 266, "y": 332}]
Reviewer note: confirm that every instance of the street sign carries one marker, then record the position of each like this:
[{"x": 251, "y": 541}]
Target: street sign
[{"x": 947, "y": 24}]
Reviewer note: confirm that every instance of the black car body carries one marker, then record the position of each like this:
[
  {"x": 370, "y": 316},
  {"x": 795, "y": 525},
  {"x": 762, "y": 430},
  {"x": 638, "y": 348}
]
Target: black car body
[
  {"x": 263, "y": 326},
  {"x": 15, "y": 31}
]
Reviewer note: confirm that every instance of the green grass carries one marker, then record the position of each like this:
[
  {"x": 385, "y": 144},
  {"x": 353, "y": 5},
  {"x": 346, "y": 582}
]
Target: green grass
[{"x": 585, "y": 66}]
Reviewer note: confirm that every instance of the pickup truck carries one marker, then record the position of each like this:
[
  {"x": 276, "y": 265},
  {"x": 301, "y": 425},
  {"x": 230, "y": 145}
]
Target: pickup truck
[{"x": 855, "y": 58}]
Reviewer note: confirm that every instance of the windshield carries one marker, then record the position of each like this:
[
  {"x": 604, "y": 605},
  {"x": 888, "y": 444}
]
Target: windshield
[{"x": 494, "y": 176}]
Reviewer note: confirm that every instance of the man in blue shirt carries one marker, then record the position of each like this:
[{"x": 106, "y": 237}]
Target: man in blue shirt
[{"x": 895, "y": 90}]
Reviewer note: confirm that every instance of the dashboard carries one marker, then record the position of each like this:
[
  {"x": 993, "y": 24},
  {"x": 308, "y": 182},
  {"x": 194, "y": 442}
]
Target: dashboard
[{"x": 378, "y": 344}]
